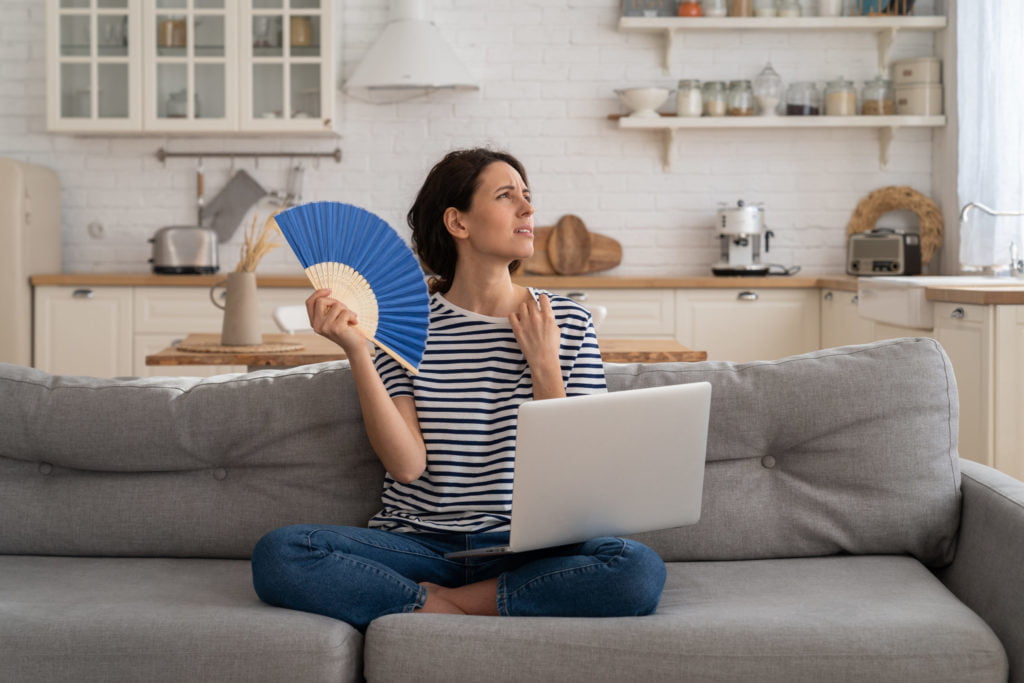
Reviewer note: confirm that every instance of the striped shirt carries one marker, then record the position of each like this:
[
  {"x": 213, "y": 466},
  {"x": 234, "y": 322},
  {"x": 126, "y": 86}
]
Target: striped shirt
[{"x": 472, "y": 379}]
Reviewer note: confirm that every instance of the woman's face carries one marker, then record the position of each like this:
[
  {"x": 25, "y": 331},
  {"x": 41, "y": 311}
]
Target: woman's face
[{"x": 499, "y": 222}]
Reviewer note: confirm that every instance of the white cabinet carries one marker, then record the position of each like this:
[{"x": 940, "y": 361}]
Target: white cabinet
[
  {"x": 841, "y": 323},
  {"x": 966, "y": 333},
  {"x": 748, "y": 324},
  {"x": 83, "y": 330},
  {"x": 163, "y": 315},
  {"x": 190, "y": 66},
  {"x": 632, "y": 313},
  {"x": 1008, "y": 399},
  {"x": 108, "y": 331}
]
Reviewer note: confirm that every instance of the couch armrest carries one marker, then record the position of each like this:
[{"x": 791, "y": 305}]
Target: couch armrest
[{"x": 987, "y": 573}]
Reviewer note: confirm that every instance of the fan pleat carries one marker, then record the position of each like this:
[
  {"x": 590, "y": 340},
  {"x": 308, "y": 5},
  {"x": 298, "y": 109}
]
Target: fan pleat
[{"x": 368, "y": 267}]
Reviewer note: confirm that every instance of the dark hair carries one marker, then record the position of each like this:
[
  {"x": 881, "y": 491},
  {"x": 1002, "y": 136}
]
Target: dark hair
[{"x": 450, "y": 183}]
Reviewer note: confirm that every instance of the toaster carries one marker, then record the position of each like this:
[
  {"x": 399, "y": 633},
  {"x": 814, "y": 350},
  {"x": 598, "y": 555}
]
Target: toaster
[
  {"x": 884, "y": 251},
  {"x": 184, "y": 250}
]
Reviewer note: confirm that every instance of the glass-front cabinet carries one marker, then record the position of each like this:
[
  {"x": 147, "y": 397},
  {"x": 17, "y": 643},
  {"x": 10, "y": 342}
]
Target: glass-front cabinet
[
  {"x": 286, "y": 84},
  {"x": 94, "y": 66},
  {"x": 190, "y": 66},
  {"x": 190, "y": 79}
]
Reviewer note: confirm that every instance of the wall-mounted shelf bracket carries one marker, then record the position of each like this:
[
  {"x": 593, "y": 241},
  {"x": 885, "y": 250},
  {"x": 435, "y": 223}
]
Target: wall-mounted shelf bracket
[
  {"x": 885, "y": 136},
  {"x": 886, "y": 37}
]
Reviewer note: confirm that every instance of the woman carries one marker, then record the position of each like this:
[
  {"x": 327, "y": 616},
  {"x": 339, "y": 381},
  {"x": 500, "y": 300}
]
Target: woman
[{"x": 447, "y": 435}]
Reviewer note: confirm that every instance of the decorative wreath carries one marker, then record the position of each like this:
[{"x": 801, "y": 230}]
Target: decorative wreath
[{"x": 886, "y": 199}]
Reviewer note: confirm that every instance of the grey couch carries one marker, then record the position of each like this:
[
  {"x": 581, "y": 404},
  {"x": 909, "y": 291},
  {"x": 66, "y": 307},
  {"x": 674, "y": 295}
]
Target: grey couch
[{"x": 841, "y": 536}]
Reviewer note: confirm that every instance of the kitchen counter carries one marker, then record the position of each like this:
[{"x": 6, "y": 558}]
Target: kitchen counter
[
  {"x": 540, "y": 281},
  {"x": 974, "y": 294}
]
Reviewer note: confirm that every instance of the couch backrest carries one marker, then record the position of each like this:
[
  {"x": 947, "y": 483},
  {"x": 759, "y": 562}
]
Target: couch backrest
[
  {"x": 178, "y": 466},
  {"x": 844, "y": 450}
]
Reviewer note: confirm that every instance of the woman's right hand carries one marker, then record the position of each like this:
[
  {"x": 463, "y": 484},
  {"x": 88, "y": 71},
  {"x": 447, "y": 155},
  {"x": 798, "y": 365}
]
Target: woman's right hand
[{"x": 334, "y": 320}]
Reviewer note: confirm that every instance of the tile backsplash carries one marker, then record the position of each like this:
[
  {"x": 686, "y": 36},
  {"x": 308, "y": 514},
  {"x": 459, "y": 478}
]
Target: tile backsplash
[{"x": 547, "y": 70}]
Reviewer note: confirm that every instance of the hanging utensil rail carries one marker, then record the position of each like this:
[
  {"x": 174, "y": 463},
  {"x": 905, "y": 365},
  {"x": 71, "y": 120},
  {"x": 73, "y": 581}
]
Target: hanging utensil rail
[{"x": 162, "y": 154}]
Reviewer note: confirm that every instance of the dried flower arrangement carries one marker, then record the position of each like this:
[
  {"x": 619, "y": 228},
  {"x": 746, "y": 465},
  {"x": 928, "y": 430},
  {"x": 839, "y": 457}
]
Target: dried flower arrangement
[{"x": 257, "y": 246}]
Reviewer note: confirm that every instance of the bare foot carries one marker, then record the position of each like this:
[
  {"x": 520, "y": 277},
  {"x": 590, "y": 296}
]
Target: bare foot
[{"x": 436, "y": 603}]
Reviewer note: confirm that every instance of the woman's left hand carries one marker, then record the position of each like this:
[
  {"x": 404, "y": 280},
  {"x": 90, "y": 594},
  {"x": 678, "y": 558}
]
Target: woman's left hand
[{"x": 540, "y": 339}]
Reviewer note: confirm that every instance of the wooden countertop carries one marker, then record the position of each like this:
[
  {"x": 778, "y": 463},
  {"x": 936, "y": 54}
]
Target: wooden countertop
[
  {"x": 540, "y": 281},
  {"x": 975, "y": 294},
  {"x": 316, "y": 349}
]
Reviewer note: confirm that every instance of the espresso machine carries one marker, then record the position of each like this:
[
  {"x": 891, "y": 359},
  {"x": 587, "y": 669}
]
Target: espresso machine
[{"x": 740, "y": 229}]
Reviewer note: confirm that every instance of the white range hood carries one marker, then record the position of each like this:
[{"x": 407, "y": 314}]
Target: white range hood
[{"x": 408, "y": 59}]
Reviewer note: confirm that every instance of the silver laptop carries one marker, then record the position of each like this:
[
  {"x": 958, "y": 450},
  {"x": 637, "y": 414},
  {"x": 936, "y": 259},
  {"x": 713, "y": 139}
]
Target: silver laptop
[{"x": 608, "y": 464}]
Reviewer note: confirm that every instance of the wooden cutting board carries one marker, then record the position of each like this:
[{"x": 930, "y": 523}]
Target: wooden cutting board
[
  {"x": 605, "y": 253},
  {"x": 569, "y": 246}
]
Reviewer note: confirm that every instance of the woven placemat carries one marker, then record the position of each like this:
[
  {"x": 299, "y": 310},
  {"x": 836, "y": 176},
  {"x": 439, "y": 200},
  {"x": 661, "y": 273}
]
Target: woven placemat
[{"x": 215, "y": 347}]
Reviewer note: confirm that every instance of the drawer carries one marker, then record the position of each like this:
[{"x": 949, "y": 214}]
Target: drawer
[
  {"x": 182, "y": 310},
  {"x": 631, "y": 312},
  {"x": 968, "y": 313}
]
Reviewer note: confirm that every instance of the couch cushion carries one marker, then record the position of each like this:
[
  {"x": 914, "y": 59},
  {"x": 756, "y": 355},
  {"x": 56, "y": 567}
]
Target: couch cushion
[
  {"x": 851, "y": 449},
  {"x": 179, "y": 466},
  {"x": 107, "y": 619},
  {"x": 816, "y": 619}
]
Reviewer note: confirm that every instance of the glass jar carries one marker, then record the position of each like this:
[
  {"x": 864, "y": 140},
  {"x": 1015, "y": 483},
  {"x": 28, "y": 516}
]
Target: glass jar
[
  {"x": 768, "y": 91},
  {"x": 840, "y": 98},
  {"x": 803, "y": 99},
  {"x": 764, "y": 8},
  {"x": 788, "y": 8},
  {"x": 877, "y": 98},
  {"x": 689, "y": 99},
  {"x": 715, "y": 8},
  {"x": 741, "y": 8},
  {"x": 713, "y": 94},
  {"x": 689, "y": 8},
  {"x": 741, "y": 99}
]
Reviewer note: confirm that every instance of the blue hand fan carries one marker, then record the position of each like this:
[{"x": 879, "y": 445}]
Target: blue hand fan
[{"x": 367, "y": 267}]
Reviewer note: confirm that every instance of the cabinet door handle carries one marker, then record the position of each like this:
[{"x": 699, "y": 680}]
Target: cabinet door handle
[
  {"x": 747, "y": 296},
  {"x": 83, "y": 294},
  {"x": 578, "y": 297},
  {"x": 855, "y": 298},
  {"x": 828, "y": 296},
  {"x": 958, "y": 313}
]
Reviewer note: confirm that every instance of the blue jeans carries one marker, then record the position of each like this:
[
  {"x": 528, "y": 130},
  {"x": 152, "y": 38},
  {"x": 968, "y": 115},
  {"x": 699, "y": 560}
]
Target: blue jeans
[{"x": 357, "y": 574}]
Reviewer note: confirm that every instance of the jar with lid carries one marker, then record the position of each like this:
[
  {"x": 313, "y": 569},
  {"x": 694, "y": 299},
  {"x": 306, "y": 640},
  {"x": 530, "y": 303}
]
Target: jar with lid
[
  {"x": 689, "y": 100},
  {"x": 689, "y": 8},
  {"x": 714, "y": 98},
  {"x": 803, "y": 99},
  {"x": 741, "y": 8},
  {"x": 788, "y": 8},
  {"x": 715, "y": 8},
  {"x": 764, "y": 8},
  {"x": 768, "y": 91},
  {"x": 840, "y": 98},
  {"x": 741, "y": 99},
  {"x": 877, "y": 98}
]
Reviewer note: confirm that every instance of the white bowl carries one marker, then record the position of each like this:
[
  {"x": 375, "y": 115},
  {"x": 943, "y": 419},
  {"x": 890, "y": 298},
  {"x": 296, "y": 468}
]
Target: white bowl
[{"x": 643, "y": 102}]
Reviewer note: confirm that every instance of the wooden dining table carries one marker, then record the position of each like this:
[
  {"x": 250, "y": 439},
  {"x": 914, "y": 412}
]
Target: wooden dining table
[{"x": 316, "y": 349}]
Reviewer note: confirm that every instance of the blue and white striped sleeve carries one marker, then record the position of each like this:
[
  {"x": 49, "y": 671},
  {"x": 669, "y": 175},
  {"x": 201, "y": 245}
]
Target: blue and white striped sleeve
[
  {"x": 396, "y": 379},
  {"x": 586, "y": 374}
]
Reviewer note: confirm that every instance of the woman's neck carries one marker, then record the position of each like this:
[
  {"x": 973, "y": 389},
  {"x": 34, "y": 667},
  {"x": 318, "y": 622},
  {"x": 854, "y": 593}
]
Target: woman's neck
[{"x": 490, "y": 293}]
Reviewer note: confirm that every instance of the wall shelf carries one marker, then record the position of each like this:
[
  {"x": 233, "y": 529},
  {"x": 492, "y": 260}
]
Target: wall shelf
[
  {"x": 886, "y": 27},
  {"x": 886, "y": 126}
]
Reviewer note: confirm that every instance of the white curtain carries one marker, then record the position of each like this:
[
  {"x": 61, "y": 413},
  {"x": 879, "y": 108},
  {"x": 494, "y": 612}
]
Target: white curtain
[{"x": 990, "y": 82}]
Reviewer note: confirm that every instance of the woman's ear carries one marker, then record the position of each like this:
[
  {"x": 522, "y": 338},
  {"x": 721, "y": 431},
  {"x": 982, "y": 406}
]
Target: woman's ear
[{"x": 453, "y": 223}]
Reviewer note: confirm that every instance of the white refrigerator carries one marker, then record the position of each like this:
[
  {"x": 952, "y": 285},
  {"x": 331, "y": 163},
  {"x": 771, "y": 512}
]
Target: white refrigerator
[{"x": 29, "y": 245}]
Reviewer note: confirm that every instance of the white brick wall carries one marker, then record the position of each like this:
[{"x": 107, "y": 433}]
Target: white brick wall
[{"x": 547, "y": 69}]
